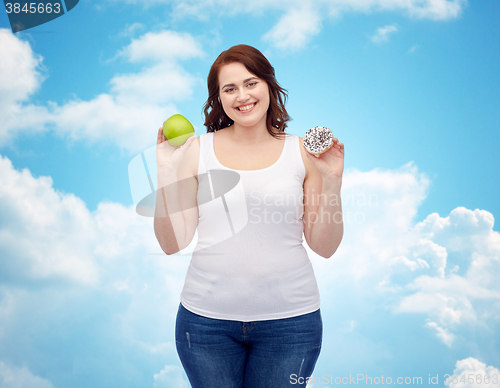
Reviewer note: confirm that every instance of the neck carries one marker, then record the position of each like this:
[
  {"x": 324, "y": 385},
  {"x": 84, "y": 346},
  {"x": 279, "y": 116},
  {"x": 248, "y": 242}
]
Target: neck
[{"x": 250, "y": 135}]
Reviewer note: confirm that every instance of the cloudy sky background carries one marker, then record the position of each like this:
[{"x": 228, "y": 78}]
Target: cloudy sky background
[{"x": 411, "y": 88}]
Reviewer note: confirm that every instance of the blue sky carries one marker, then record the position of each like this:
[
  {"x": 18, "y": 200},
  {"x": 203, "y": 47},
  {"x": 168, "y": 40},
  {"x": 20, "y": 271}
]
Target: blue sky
[{"x": 410, "y": 87}]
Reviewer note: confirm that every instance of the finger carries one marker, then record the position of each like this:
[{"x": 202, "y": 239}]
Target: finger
[
  {"x": 161, "y": 136},
  {"x": 189, "y": 141},
  {"x": 158, "y": 139},
  {"x": 183, "y": 148},
  {"x": 341, "y": 148},
  {"x": 312, "y": 156}
]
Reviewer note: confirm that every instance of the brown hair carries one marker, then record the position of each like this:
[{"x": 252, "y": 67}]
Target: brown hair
[{"x": 257, "y": 64}]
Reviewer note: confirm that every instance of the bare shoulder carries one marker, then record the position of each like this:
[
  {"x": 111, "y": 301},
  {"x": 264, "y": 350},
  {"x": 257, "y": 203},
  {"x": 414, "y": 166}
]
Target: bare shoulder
[{"x": 307, "y": 163}]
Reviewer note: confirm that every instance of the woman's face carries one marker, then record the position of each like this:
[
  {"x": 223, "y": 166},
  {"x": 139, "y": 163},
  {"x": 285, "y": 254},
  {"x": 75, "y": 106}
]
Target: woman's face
[{"x": 244, "y": 96}]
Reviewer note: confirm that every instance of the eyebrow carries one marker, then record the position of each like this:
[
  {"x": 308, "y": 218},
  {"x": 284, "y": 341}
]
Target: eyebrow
[{"x": 244, "y": 81}]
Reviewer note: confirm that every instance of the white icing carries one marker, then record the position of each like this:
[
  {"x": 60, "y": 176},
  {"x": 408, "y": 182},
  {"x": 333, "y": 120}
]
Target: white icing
[{"x": 318, "y": 139}]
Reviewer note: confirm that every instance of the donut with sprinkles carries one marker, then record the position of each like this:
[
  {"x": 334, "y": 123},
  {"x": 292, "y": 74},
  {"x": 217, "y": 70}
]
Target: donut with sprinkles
[{"x": 318, "y": 140}]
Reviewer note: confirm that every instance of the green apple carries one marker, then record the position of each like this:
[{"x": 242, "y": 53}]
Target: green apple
[{"x": 177, "y": 129}]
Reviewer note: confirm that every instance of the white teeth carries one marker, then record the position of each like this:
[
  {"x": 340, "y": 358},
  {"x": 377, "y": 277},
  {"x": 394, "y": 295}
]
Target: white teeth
[{"x": 247, "y": 107}]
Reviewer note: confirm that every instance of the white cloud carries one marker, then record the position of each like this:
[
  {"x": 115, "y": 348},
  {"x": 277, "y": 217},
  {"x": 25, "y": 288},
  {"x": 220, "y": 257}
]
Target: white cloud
[
  {"x": 295, "y": 29},
  {"x": 130, "y": 112},
  {"x": 50, "y": 236},
  {"x": 443, "y": 334},
  {"x": 21, "y": 74},
  {"x": 437, "y": 302},
  {"x": 434, "y": 9},
  {"x": 446, "y": 269},
  {"x": 382, "y": 33},
  {"x": 283, "y": 34},
  {"x": 413, "y": 49},
  {"x": 93, "y": 278},
  {"x": 62, "y": 265},
  {"x": 473, "y": 295},
  {"x": 171, "y": 376},
  {"x": 413, "y": 265},
  {"x": 156, "y": 84},
  {"x": 41, "y": 233},
  {"x": 129, "y": 115},
  {"x": 471, "y": 373},
  {"x": 471, "y": 279},
  {"x": 137, "y": 103},
  {"x": 169, "y": 46},
  {"x": 435, "y": 254},
  {"x": 15, "y": 377},
  {"x": 431, "y": 9},
  {"x": 302, "y": 20},
  {"x": 462, "y": 286},
  {"x": 369, "y": 200},
  {"x": 107, "y": 118},
  {"x": 423, "y": 9},
  {"x": 21, "y": 70},
  {"x": 131, "y": 29}
]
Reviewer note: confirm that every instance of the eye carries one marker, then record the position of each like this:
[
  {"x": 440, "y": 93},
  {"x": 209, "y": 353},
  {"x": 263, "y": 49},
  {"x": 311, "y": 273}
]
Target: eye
[
  {"x": 252, "y": 84},
  {"x": 228, "y": 90}
]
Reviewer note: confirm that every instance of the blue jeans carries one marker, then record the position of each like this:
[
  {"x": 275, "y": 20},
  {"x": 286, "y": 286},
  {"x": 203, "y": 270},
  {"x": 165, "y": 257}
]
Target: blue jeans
[{"x": 277, "y": 353}]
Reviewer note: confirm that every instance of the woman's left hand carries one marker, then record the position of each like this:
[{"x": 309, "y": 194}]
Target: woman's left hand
[{"x": 330, "y": 164}]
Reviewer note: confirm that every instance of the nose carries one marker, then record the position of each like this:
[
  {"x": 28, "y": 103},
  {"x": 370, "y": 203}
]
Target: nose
[{"x": 242, "y": 95}]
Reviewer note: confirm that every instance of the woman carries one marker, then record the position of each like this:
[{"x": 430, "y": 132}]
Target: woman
[{"x": 249, "y": 313}]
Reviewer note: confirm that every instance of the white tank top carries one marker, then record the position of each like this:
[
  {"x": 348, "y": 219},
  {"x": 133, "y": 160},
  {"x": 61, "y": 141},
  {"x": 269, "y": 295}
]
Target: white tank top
[{"x": 249, "y": 263}]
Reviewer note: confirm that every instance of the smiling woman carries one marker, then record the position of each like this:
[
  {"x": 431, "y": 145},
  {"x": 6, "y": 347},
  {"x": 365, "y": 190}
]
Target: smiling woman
[
  {"x": 258, "y": 68},
  {"x": 249, "y": 314},
  {"x": 245, "y": 98}
]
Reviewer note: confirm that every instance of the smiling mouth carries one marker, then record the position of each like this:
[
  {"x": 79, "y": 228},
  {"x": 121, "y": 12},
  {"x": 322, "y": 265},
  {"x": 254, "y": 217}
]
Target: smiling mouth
[{"x": 246, "y": 107}]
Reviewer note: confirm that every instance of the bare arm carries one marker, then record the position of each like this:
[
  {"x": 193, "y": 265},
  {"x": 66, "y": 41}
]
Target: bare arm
[
  {"x": 176, "y": 212},
  {"x": 326, "y": 227},
  {"x": 323, "y": 220}
]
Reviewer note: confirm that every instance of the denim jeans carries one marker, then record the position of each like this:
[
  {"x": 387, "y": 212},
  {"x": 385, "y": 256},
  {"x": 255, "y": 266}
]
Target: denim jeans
[{"x": 277, "y": 353}]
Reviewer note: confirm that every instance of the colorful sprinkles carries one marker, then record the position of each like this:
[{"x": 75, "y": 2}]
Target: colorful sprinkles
[{"x": 318, "y": 140}]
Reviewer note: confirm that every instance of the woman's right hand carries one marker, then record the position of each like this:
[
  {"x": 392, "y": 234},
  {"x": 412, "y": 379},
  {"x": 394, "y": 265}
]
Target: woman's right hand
[{"x": 169, "y": 157}]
